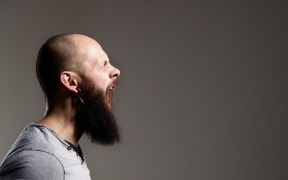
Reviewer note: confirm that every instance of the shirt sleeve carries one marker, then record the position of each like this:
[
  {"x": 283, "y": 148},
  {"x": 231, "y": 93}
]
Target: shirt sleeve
[{"x": 32, "y": 165}]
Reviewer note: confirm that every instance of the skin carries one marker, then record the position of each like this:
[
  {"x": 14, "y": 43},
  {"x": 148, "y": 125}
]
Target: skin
[{"x": 60, "y": 115}]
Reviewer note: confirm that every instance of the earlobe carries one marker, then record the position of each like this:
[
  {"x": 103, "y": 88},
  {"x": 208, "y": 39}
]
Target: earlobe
[{"x": 68, "y": 80}]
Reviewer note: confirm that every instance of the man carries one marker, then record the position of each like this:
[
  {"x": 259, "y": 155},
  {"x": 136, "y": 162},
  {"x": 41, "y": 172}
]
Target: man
[{"x": 78, "y": 80}]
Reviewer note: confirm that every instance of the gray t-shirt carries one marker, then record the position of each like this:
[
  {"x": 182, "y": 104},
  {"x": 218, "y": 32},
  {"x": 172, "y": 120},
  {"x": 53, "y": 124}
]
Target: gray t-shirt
[{"x": 39, "y": 153}]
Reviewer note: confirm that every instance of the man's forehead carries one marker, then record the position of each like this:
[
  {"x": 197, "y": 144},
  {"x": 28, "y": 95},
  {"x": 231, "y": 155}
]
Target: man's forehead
[
  {"x": 88, "y": 49},
  {"x": 93, "y": 55},
  {"x": 96, "y": 52}
]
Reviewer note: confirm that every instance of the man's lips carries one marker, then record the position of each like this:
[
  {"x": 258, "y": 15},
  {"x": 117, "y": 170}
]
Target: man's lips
[
  {"x": 111, "y": 87},
  {"x": 109, "y": 94}
]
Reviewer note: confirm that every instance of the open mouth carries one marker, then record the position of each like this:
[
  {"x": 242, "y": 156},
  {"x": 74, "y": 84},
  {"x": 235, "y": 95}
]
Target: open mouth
[{"x": 109, "y": 95}]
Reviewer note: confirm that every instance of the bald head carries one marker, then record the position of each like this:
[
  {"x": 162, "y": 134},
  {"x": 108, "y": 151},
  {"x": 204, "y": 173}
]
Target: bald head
[{"x": 61, "y": 53}]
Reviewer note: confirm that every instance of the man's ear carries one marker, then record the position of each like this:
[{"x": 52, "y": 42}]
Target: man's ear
[{"x": 69, "y": 80}]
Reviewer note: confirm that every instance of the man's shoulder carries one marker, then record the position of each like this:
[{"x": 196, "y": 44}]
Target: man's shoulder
[
  {"x": 33, "y": 155},
  {"x": 32, "y": 164},
  {"x": 39, "y": 149},
  {"x": 37, "y": 137}
]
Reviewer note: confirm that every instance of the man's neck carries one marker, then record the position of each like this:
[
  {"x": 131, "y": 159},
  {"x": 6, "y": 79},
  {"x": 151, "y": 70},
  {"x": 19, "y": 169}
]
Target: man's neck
[{"x": 64, "y": 124}]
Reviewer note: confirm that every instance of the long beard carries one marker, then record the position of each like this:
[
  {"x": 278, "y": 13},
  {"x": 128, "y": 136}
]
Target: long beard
[{"x": 94, "y": 118}]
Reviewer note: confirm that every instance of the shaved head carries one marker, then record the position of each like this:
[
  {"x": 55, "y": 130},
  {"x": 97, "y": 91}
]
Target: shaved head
[{"x": 59, "y": 53}]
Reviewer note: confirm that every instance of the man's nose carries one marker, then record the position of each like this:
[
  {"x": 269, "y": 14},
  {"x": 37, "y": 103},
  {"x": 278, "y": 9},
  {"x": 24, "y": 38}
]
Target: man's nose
[{"x": 115, "y": 73}]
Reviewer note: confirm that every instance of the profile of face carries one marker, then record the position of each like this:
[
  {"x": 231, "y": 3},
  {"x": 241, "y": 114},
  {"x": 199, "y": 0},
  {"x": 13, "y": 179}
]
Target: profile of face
[{"x": 94, "y": 115}]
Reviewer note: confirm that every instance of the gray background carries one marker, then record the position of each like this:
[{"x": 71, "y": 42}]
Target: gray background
[{"x": 203, "y": 85}]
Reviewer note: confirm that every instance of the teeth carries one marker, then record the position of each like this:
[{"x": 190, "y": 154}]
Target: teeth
[
  {"x": 110, "y": 90},
  {"x": 109, "y": 94}
]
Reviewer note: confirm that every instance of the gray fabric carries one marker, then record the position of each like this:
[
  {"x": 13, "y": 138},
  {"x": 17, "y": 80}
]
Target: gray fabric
[{"x": 39, "y": 153}]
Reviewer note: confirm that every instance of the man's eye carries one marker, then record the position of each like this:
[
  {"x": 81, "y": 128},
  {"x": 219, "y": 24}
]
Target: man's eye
[{"x": 105, "y": 63}]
